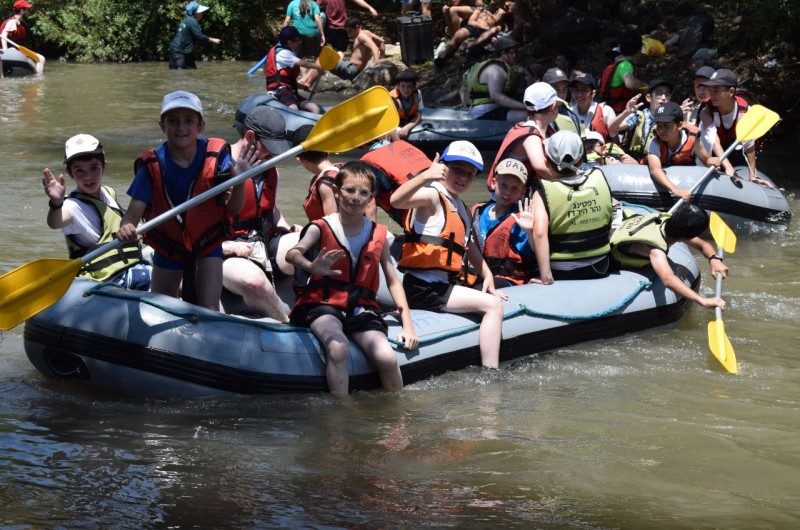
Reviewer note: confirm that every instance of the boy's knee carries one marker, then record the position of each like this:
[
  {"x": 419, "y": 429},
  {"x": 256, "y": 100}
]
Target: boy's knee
[{"x": 338, "y": 351}]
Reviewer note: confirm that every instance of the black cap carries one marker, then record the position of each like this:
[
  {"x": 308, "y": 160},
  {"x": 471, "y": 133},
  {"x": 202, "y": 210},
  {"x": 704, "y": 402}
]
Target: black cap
[
  {"x": 655, "y": 82},
  {"x": 704, "y": 71},
  {"x": 669, "y": 111},
  {"x": 505, "y": 43},
  {"x": 270, "y": 127},
  {"x": 584, "y": 78},
  {"x": 406, "y": 75},
  {"x": 722, "y": 77},
  {"x": 554, "y": 75}
]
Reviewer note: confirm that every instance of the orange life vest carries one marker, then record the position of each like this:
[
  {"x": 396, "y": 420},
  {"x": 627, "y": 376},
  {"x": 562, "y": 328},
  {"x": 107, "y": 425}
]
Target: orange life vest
[
  {"x": 286, "y": 77},
  {"x": 518, "y": 134},
  {"x": 259, "y": 203},
  {"x": 407, "y": 113},
  {"x": 503, "y": 260},
  {"x": 598, "y": 123},
  {"x": 683, "y": 156},
  {"x": 615, "y": 97},
  {"x": 357, "y": 284},
  {"x": 396, "y": 162},
  {"x": 444, "y": 252},
  {"x": 200, "y": 229},
  {"x": 313, "y": 202}
]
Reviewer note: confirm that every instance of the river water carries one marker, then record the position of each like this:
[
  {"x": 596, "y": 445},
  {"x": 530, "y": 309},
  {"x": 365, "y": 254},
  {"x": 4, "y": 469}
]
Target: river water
[{"x": 642, "y": 431}]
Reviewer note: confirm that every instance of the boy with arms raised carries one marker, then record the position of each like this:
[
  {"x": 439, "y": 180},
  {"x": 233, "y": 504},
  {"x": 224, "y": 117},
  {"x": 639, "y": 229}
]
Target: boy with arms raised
[
  {"x": 437, "y": 240},
  {"x": 90, "y": 216},
  {"x": 504, "y": 228},
  {"x": 339, "y": 298}
]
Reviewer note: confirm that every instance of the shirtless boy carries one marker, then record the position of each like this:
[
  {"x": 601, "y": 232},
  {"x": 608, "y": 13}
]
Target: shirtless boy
[{"x": 366, "y": 46}]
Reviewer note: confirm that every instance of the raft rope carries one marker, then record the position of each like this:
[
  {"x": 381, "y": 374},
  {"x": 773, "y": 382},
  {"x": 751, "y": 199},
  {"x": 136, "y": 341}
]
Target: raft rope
[{"x": 190, "y": 316}]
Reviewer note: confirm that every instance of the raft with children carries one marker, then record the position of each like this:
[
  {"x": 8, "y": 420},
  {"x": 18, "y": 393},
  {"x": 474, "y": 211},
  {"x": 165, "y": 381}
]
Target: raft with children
[
  {"x": 151, "y": 345},
  {"x": 17, "y": 63}
]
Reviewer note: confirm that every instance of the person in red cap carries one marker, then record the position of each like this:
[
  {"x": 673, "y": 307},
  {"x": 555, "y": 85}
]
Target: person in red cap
[{"x": 12, "y": 28}]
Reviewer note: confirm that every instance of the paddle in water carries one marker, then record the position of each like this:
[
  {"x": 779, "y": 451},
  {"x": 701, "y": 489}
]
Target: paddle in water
[
  {"x": 31, "y": 288},
  {"x": 717, "y": 338}
]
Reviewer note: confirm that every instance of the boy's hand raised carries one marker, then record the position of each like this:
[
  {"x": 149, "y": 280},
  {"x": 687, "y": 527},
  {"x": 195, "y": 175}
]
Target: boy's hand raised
[
  {"x": 322, "y": 264},
  {"x": 436, "y": 173},
  {"x": 53, "y": 186}
]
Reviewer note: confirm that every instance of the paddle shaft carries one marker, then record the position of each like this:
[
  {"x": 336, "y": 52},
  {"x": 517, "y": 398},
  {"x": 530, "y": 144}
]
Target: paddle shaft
[
  {"x": 194, "y": 201},
  {"x": 718, "y": 291},
  {"x": 707, "y": 174},
  {"x": 29, "y": 53},
  {"x": 251, "y": 72}
]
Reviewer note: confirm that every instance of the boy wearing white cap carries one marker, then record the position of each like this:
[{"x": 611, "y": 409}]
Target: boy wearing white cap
[
  {"x": 90, "y": 216},
  {"x": 572, "y": 215},
  {"x": 182, "y": 167},
  {"x": 437, "y": 241},
  {"x": 525, "y": 141},
  {"x": 504, "y": 227},
  {"x": 181, "y": 49}
]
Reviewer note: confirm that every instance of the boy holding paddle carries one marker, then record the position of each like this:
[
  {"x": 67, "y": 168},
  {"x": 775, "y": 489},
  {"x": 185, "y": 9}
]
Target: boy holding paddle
[{"x": 185, "y": 166}]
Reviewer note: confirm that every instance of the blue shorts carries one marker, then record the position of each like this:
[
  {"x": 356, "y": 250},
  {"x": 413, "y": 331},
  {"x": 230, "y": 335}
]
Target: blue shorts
[{"x": 178, "y": 264}]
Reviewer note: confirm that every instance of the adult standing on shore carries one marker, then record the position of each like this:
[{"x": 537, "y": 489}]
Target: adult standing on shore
[
  {"x": 336, "y": 12},
  {"x": 305, "y": 16},
  {"x": 181, "y": 49}
]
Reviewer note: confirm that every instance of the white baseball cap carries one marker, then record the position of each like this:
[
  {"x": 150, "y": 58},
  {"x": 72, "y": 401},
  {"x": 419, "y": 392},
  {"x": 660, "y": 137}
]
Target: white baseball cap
[
  {"x": 464, "y": 151},
  {"x": 80, "y": 145},
  {"x": 181, "y": 100},
  {"x": 565, "y": 150},
  {"x": 540, "y": 96},
  {"x": 510, "y": 166},
  {"x": 594, "y": 135}
]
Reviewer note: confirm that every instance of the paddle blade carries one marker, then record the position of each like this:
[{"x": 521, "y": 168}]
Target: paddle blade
[
  {"x": 30, "y": 54},
  {"x": 755, "y": 123},
  {"x": 354, "y": 122},
  {"x": 34, "y": 287},
  {"x": 721, "y": 346},
  {"x": 328, "y": 58},
  {"x": 723, "y": 236}
]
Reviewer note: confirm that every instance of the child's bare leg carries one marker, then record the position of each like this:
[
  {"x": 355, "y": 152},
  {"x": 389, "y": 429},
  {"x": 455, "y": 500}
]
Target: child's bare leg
[
  {"x": 209, "y": 282},
  {"x": 466, "y": 300},
  {"x": 328, "y": 330},
  {"x": 377, "y": 347},
  {"x": 166, "y": 281}
]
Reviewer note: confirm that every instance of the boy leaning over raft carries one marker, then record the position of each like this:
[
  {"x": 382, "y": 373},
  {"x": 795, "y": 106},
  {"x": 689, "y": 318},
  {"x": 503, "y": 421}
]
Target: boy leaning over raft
[
  {"x": 340, "y": 296},
  {"x": 91, "y": 216}
]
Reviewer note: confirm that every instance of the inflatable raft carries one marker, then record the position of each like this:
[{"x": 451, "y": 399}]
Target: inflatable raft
[
  {"x": 735, "y": 199},
  {"x": 149, "y": 345},
  {"x": 439, "y": 126},
  {"x": 16, "y": 63}
]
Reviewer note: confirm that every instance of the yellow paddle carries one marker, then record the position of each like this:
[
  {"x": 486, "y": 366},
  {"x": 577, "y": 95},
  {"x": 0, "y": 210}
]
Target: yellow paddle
[
  {"x": 328, "y": 59},
  {"x": 33, "y": 56},
  {"x": 35, "y": 286},
  {"x": 717, "y": 338},
  {"x": 754, "y": 124}
]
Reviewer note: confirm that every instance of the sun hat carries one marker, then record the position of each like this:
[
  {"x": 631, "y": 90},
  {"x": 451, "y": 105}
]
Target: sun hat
[
  {"x": 510, "y": 166},
  {"x": 464, "y": 151},
  {"x": 270, "y": 127},
  {"x": 181, "y": 99},
  {"x": 565, "y": 150},
  {"x": 540, "y": 96},
  {"x": 722, "y": 77},
  {"x": 594, "y": 136},
  {"x": 81, "y": 145},
  {"x": 667, "y": 112},
  {"x": 195, "y": 7},
  {"x": 202, "y": 9},
  {"x": 554, "y": 75}
]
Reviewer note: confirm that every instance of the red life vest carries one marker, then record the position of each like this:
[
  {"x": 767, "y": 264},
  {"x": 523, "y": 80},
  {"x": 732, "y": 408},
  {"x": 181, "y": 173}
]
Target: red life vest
[
  {"x": 286, "y": 77},
  {"x": 313, "y": 203},
  {"x": 598, "y": 123},
  {"x": 396, "y": 162},
  {"x": 518, "y": 134},
  {"x": 259, "y": 203},
  {"x": 728, "y": 135},
  {"x": 407, "y": 113},
  {"x": 358, "y": 283},
  {"x": 683, "y": 156},
  {"x": 444, "y": 252},
  {"x": 200, "y": 229},
  {"x": 18, "y": 34},
  {"x": 503, "y": 260},
  {"x": 615, "y": 97}
]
